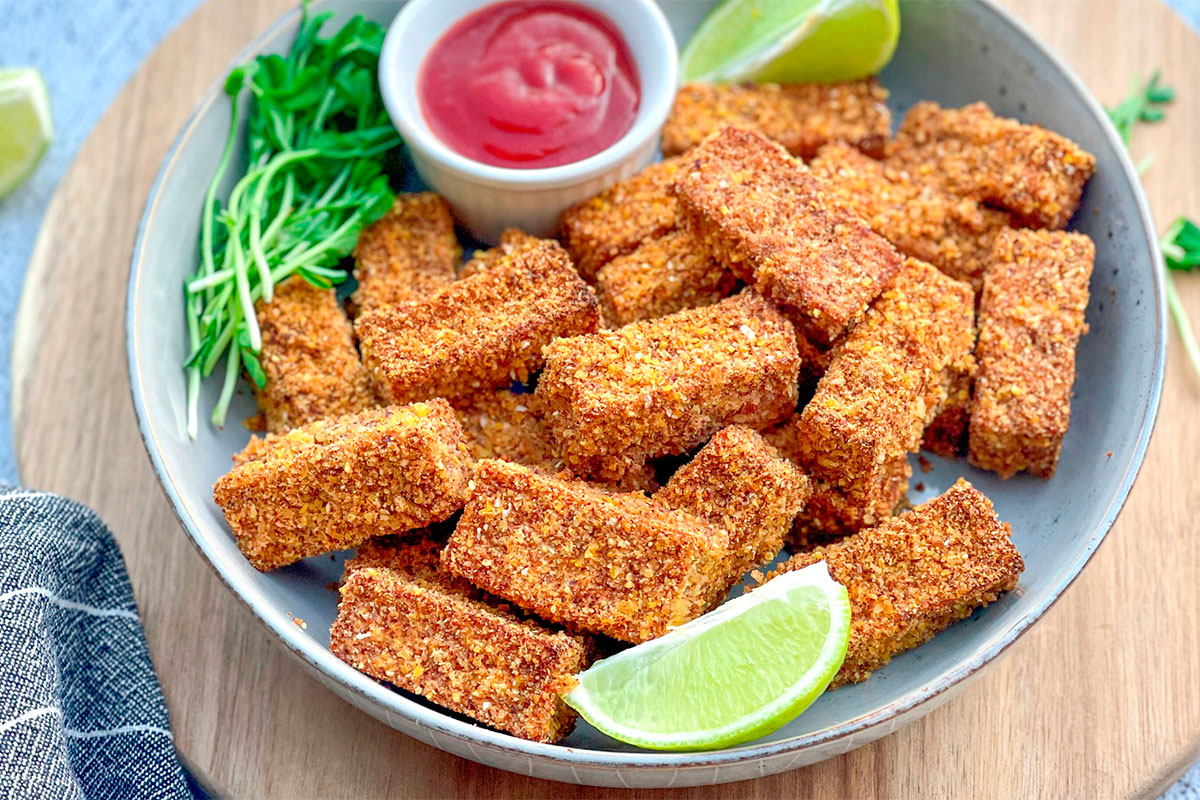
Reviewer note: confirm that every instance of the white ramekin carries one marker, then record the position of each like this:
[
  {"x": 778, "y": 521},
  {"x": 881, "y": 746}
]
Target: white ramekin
[{"x": 485, "y": 198}]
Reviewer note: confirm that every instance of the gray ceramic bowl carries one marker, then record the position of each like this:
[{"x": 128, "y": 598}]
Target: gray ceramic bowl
[{"x": 951, "y": 52}]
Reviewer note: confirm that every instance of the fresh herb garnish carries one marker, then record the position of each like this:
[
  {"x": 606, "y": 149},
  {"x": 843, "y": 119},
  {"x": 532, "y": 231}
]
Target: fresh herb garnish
[
  {"x": 1181, "y": 245},
  {"x": 316, "y": 133}
]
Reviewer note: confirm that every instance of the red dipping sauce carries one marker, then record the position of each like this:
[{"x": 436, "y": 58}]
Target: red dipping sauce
[{"x": 530, "y": 84}]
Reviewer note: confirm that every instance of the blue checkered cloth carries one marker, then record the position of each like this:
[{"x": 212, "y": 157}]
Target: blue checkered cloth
[{"x": 81, "y": 712}]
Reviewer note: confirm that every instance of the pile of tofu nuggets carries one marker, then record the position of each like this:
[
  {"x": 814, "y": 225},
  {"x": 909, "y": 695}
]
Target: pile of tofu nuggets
[{"x": 734, "y": 353}]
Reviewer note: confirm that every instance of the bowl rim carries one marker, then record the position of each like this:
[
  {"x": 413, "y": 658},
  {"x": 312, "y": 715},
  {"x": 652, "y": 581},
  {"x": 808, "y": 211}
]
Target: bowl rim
[
  {"x": 320, "y": 660},
  {"x": 652, "y": 111}
]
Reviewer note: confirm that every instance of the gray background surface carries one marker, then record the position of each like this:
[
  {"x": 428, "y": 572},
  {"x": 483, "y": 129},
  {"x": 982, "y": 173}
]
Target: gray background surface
[{"x": 86, "y": 50}]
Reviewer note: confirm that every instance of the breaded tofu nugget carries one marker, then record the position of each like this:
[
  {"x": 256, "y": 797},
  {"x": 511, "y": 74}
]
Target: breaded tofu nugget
[
  {"x": 801, "y": 117},
  {"x": 333, "y": 484},
  {"x": 1031, "y": 318},
  {"x": 741, "y": 485},
  {"x": 309, "y": 358},
  {"x": 664, "y": 386},
  {"x": 457, "y": 651},
  {"x": 511, "y": 240},
  {"x": 663, "y": 275},
  {"x": 763, "y": 215},
  {"x": 886, "y": 380},
  {"x": 915, "y": 574},
  {"x": 1035, "y": 174},
  {"x": 408, "y": 254},
  {"x": 617, "y": 564},
  {"x": 953, "y": 233},
  {"x": 503, "y": 424},
  {"x": 620, "y": 218},
  {"x": 479, "y": 333}
]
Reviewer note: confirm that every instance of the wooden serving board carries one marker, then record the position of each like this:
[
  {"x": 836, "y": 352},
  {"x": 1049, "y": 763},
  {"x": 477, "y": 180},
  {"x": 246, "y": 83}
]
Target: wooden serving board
[{"x": 1100, "y": 699}]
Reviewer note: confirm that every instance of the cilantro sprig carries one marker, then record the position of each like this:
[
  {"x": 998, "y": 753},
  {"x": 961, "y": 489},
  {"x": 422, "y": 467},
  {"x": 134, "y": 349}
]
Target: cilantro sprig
[
  {"x": 316, "y": 134},
  {"x": 1181, "y": 244}
]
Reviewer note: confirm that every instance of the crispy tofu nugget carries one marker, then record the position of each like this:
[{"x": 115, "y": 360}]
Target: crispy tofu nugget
[
  {"x": 309, "y": 358},
  {"x": 1035, "y": 174},
  {"x": 620, "y": 218},
  {"x": 763, "y": 215},
  {"x": 914, "y": 575},
  {"x": 662, "y": 276},
  {"x": 617, "y": 564},
  {"x": 503, "y": 424},
  {"x": 801, "y": 117},
  {"x": 664, "y": 386},
  {"x": 511, "y": 240},
  {"x": 886, "y": 380},
  {"x": 408, "y": 254},
  {"x": 335, "y": 483},
  {"x": 479, "y": 333},
  {"x": 425, "y": 636},
  {"x": 1030, "y": 321},
  {"x": 741, "y": 485},
  {"x": 953, "y": 233}
]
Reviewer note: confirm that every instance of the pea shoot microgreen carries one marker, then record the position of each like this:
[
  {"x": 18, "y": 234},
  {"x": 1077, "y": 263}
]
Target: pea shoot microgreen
[{"x": 315, "y": 137}]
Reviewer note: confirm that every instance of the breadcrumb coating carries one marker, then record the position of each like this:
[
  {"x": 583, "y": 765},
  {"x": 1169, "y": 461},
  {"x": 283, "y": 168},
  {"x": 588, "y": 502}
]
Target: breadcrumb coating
[
  {"x": 309, "y": 358},
  {"x": 663, "y": 275},
  {"x": 334, "y": 483},
  {"x": 775, "y": 225},
  {"x": 458, "y": 652},
  {"x": 914, "y": 575},
  {"x": 1031, "y": 318},
  {"x": 617, "y": 564},
  {"x": 740, "y": 484},
  {"x": 886, "y": 379},
  {"x": 479, "y": 333},
  {"x": 408, "y": 254},
  {"x": 511, "y": 240},
  {"x": 953, "y": 233},
  {"x": 664, "y": 386},
  {"x": 946, "y": 435},
  {"x": 503, "y": 424},
  {"x": 801, "y": 117},
  {"x": 620, "y": 218},
  {"x": 1035, "y": 174}
]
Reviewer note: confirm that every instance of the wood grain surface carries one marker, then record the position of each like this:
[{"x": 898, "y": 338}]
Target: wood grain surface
[{"x": 1100, "y": 699}]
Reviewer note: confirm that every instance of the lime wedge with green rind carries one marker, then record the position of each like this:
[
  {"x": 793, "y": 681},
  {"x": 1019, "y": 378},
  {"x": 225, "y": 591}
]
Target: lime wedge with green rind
[
  {"x": 26, "y": 128},
  {"x": 792, "y": 41},
  {"x": 732, "y": 675}
]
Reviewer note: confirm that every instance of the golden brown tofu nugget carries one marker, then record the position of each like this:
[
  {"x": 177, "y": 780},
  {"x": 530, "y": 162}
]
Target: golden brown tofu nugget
[
  {"x": 511, "y": 240},
  {"x": 662, "y": 276},
  {"x": 741, "y": 485},
  {"x": 800, "y": 116},
  {"x": 886, "y": 380},
  {"x": 620, "y": 218},
  {"x": 664, "y": 386},
  {"x": 479, "y": 333},
  {"x": 953, "y": 233},
  {"x": 408, "y": 254},
  {"x": 915, "y": 574},
  {"x": 309, "y": 358},
  {"x": 763, "y": 215},
  {"x": 1030, "y": 322},
  {"x": 458, "y": 651},
  {"x": 335, "y": 483},
  {"x": 617, "y": 564},
  {"x": 1036, "y": 174}
]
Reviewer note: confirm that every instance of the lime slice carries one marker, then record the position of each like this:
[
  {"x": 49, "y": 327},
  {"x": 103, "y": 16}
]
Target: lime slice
[
  {"x": 25, "y": 125},
  {"x": 732, "y": 675},
  {"x": 792, "y": 41}
]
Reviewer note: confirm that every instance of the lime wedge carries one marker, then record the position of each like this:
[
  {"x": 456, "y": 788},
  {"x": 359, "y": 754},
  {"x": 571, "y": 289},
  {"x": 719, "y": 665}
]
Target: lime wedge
[
  {"x": 732, "y": 675},
  {"x": 792, "y": 41},
  {"x": 25, "y": 125}
]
